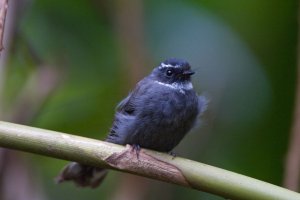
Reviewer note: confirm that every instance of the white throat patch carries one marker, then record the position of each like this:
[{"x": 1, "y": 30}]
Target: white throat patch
[{"x": 177, "y": 86}]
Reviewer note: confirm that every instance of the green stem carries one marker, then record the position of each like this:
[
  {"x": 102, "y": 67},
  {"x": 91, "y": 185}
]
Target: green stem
[{"x": 150, "y": 164}]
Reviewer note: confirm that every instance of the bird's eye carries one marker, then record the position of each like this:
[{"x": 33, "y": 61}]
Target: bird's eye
[{"x": 169, "y": 72}]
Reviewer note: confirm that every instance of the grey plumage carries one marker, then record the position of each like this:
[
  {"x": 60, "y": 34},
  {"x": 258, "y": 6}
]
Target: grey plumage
[{"x": 156, "y": 115}]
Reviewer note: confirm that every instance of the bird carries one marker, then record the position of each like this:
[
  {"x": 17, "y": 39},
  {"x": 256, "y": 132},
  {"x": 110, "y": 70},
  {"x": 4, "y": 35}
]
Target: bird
[{"x": 161, "y": 109}]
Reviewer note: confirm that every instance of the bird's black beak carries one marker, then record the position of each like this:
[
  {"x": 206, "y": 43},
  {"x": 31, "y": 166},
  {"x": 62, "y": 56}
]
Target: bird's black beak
[{"x": 188, "y": 73}]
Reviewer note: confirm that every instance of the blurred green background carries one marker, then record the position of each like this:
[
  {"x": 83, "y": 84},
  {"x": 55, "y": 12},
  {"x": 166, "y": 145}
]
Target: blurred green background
[{"x": 69, "y": 63}]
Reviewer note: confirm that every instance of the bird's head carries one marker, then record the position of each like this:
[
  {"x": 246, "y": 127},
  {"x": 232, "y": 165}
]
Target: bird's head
[{"x": 173, "y": 71}]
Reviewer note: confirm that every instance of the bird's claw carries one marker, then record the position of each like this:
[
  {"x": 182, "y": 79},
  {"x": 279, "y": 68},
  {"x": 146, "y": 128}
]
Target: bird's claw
[
  {"x": 136, "y": 148},
  {"x": 173, "y": 154}
]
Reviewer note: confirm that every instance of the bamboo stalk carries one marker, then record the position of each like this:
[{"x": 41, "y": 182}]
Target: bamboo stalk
[{"x": 150, "y": 164}]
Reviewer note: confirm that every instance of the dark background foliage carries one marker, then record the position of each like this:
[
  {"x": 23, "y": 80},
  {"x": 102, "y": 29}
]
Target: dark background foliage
[{"x": 244, "y": 53}]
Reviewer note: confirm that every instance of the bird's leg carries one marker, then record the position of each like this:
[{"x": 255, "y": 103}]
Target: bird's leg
[{"x": 137, "y": 149}]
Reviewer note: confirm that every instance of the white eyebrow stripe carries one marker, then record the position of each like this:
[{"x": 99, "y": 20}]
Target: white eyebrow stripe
[
  {"x": 177, "y": 86},
  {"x": 163, "y": 65}
]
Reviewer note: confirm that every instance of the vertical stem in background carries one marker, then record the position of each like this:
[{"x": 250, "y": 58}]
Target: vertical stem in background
[
  {"x": 129, "y": 26},
  {"x": 292, "y": 165},
  {"x": 129, "y": 23},
  {"x": 6, "y": 36},
  {"x": 3, "y": 10},
  {"x": 27, "y": 103}
]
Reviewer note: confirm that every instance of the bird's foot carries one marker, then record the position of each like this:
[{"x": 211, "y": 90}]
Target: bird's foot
[
  {"x": 173, "y": 154},
  {"x": 136, "y": 148}
]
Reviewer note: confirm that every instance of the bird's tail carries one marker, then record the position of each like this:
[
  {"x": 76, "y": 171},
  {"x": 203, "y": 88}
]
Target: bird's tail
[{"x": 82, "y": 175}]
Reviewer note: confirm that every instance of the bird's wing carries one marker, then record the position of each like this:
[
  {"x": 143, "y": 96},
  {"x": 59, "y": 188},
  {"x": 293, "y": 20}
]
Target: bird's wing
[
  {"x": 127, "y": 105},
  {"x": 125, "y": 117},
  {"x": 123, "y": 103},
  {"x": 130, "y": 103}
]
